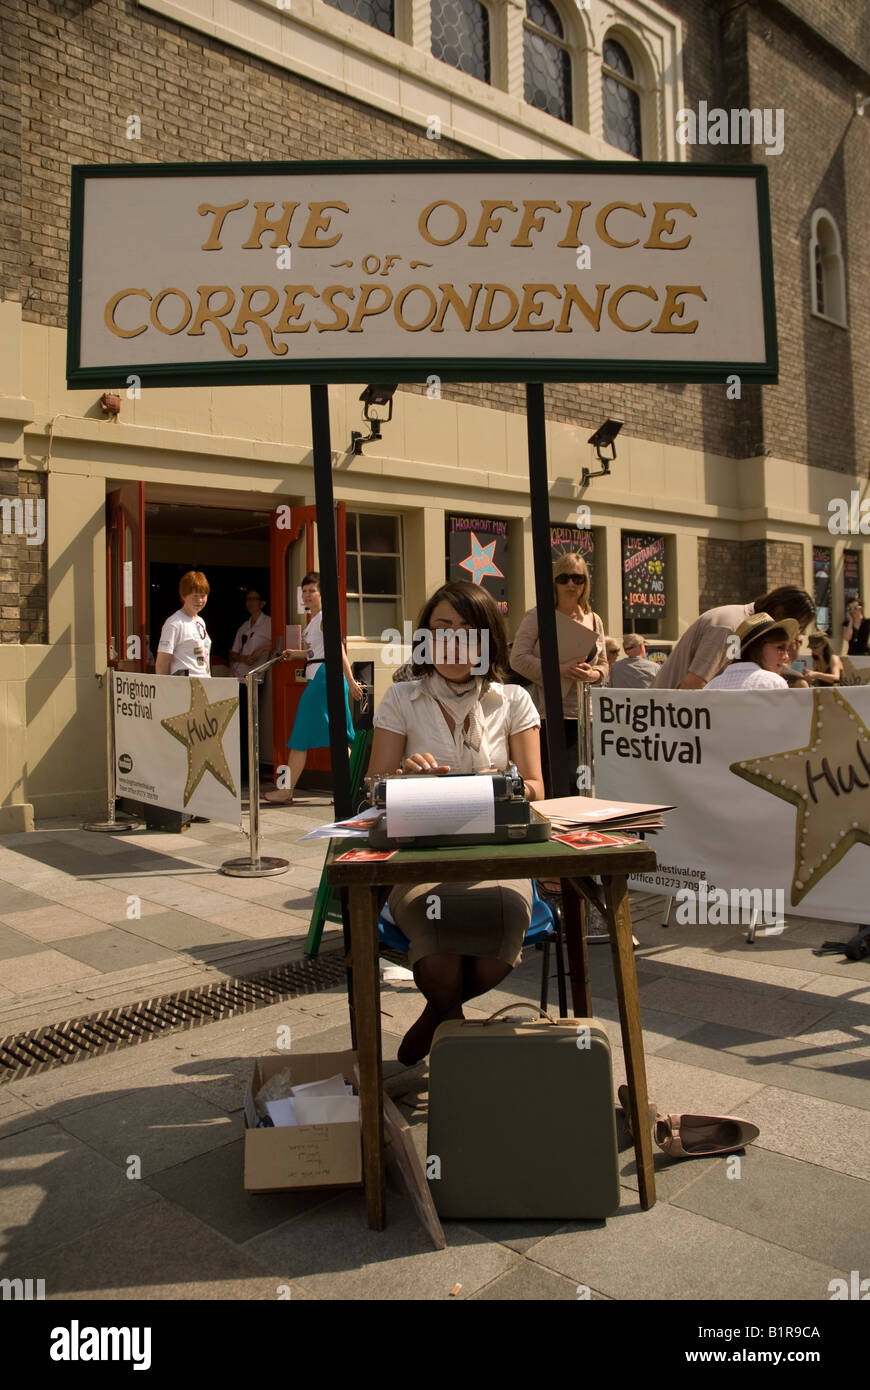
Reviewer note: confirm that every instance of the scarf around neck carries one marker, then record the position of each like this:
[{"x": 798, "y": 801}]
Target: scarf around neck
[{"x": 462, "y": 701}]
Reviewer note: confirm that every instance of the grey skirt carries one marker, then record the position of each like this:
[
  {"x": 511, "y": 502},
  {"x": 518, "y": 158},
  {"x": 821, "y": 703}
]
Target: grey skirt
[{"x": 466, "y": 919}]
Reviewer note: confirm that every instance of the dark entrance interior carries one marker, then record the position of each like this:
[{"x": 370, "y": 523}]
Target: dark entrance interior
[{"x": 229, "y": 545}]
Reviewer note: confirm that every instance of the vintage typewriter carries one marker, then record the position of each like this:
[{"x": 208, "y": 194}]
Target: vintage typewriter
[{"x": 516, "y": 820}]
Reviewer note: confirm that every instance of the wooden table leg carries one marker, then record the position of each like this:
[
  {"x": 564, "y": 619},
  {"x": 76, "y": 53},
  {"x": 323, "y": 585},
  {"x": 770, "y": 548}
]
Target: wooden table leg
[
  {"x": 363, "y": 908},
  {"x": 575, "y": 942},
  {"x": 619, "y": 919}
]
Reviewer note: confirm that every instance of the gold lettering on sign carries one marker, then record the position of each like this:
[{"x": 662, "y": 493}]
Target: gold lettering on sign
[
  {"x": 364, "y": 312},
  {"x": 205, "y": 314},
  {"x": 486, "y": 325},
  {"x": 182, "y": 323},
  {"x": 318, "y": 223},
  {"x": 464, "y": 311},
  {"x": 615, "y": 300},
  {"x": 248, "y": 314},
  {"x": 674, "y": 309},
  {"x": 292, "y": 310},
  {"x": 109, "y": 314},
  {"x": 531, "y": 221},
  {"x": 423, "y": 223},
  {"x": 664, "y": 226},
  {"x": 601, "y": 223},
  {"x": 572, "y": 235},
  {"x": 531, "y": 305},
  {"x": 342, "y": 318},
  {"x": 592, "y": 316},
  {"x": 487, "y": 222},
  {"x": 400, "y": 300},
  {"x": 262, "y": 224},
  {"x": 220, "y": 212}
]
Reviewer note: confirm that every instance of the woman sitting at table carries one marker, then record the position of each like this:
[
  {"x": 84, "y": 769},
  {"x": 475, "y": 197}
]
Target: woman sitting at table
[{"x": 457, "y": 716}]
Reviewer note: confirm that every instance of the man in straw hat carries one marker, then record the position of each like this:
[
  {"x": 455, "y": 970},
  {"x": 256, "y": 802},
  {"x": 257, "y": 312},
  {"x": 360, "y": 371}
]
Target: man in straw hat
[{"x": 764, "y": 644}]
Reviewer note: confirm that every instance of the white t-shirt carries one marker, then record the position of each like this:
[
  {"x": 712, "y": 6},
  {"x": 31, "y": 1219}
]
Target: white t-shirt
[
  {"x": 187, "y": 642},
  {"x": 746, "y": 675},
  {"x": 408, "y": 709},
  {"x": 253, "y": 633},
  {"x": 312, "y": 638}
]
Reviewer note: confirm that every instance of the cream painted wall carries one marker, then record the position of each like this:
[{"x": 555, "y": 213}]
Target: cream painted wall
[{"x": 237, "y": 445}]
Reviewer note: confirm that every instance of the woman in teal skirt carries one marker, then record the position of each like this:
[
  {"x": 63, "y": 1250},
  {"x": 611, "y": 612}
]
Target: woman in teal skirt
[{"x": 311, "y": 726}]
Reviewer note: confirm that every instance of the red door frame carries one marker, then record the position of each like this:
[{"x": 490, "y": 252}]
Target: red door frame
[
  {"x": 288, "y": 680},
  {"x": 125, "y": 506}
]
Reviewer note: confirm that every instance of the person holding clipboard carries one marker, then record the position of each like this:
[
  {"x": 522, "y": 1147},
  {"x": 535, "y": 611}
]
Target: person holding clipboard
[{"x": 582, "y": 657}]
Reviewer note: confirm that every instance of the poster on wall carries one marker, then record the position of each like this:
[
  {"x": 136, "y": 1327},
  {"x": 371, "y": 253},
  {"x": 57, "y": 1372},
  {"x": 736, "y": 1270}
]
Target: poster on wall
[
  {"x": 177, "y": 743},
  {"x": 477, "y": 552},
  {"x": 643, "y": 577},
  {"x": 822, "y": 586},
  {"x": 771, "y": 789},
  {"x": 851, "y": 575},
  {"x": 572, "y": 540}
]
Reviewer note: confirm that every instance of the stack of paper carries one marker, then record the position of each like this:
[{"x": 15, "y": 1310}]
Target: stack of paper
[
  {"x": 329, "y": 1102},
  {"x": 573, "y": 812}
]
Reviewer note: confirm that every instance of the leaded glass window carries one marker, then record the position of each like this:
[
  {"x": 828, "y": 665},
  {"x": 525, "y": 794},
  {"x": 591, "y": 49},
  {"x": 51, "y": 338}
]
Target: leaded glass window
[
  {"x": 460, "y": 36},
  {"x": 621, "y": 103},
  {"x": 547, "y": 62},
  {"x": 378, "y": 13}
]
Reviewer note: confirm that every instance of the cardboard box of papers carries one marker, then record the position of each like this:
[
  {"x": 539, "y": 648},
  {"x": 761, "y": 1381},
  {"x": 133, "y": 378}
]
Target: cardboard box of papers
[{"x": 323, "y": 1148}]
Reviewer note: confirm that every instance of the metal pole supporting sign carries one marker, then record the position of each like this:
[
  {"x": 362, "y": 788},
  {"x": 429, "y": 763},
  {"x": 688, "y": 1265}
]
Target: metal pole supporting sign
[
  {"x": 256, "y": 865},
  {"x": 110, "y": 826}
]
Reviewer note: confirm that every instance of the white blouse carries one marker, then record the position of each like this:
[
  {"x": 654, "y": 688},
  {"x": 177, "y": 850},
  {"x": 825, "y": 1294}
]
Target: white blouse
[{"x": 408, "y": 709}]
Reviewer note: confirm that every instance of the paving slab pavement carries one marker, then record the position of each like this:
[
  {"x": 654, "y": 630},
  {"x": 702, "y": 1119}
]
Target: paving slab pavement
[{"x": 122, "y": 1174}]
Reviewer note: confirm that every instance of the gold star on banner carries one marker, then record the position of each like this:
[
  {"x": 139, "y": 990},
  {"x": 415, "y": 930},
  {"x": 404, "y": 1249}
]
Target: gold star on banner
[
  {"x": 201, "y": 730},
  {"x": 829, "y": 782}
]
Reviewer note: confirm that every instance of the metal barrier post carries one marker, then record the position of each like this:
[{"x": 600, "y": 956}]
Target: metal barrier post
[
  {"x": 110, "y": 826},
  {"x": 256, "y": 865},
  {"x": 585, "y": 705}
]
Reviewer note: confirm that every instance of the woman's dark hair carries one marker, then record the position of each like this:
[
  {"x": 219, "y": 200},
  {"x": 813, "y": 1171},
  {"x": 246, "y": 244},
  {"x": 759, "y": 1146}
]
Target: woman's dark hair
[
  {"x": 787, "y": 602},
  {"x": 477, "y": 607},
  {"x": 312, "y": 577}
]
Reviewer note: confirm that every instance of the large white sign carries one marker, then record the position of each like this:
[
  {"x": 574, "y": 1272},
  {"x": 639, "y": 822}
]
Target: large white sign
[
  {"x": 467, "y": 270},
  {"x": 177, "y": 743},
  {"x": 772, "y": 789}
]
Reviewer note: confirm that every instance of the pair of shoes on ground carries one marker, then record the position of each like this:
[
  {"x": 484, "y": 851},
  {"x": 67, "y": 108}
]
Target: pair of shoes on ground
[
  {"x": 277, "y": 798},
  {"x": 417, "y": 1042},
  {"x": 694, "y": 1136}
]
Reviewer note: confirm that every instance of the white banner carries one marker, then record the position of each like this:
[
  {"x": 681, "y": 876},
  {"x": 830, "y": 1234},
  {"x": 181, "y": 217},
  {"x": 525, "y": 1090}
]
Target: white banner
[
  {"x": 856, "y": 670},
  {"x": 177, "y": 743},
  {"x": 772, "y": 789}
]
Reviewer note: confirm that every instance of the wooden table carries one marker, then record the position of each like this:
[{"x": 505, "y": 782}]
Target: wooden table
[{"x": 478, "y": 863}]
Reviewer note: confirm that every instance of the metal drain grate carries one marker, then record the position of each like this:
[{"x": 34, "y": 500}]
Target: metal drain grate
[{"x": 80, "y": 1038}]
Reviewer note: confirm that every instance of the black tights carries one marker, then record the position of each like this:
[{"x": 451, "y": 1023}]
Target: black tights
[{"x": 447, "y": 982}]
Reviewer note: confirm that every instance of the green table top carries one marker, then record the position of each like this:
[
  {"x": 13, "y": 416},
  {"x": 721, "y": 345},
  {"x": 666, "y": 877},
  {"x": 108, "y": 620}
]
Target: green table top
[{"x": 549, "y": 859}]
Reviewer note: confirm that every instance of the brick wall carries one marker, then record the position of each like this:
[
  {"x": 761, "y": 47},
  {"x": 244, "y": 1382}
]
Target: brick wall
[
  {"x": 738, "y": 571},
  {"x": 23, "y": 609},
  {"x": 85, "y": 68}
]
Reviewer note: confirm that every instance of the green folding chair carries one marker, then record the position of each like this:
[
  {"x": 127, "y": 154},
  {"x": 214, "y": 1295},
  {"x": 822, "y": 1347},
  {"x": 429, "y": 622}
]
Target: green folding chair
[{"x": 327, "y": 904}]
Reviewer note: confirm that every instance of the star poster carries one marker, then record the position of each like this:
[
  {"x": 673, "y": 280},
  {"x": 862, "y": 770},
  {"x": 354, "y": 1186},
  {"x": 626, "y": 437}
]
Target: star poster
[
  {"x": 477, "y": 553},
  {"x": 201, "y": 730},
  {"x": 828, "y": 780}
]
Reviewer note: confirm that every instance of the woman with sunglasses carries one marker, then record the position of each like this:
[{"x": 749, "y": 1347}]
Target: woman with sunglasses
[{"x": 571, "y": 598}]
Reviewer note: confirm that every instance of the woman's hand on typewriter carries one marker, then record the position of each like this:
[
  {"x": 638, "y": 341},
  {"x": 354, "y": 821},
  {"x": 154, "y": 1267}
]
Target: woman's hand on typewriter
[{"x": 422, "y": 762}]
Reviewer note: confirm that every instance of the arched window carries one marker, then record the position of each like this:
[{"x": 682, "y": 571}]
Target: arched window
[
  {"x": 378, "y": 13},
  {"x": 547, "y": 61},
  {"x": 621, "y": 100},
  {"x": 460, "y": 36},
  {"x": 827, "y": 273}
]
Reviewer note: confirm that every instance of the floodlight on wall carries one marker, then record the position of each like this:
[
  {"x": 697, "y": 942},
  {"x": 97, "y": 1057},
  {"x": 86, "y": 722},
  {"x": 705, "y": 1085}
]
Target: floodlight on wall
[
  {"x": 372, "y": 396},
  {"x": 602, "y": 439}
]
